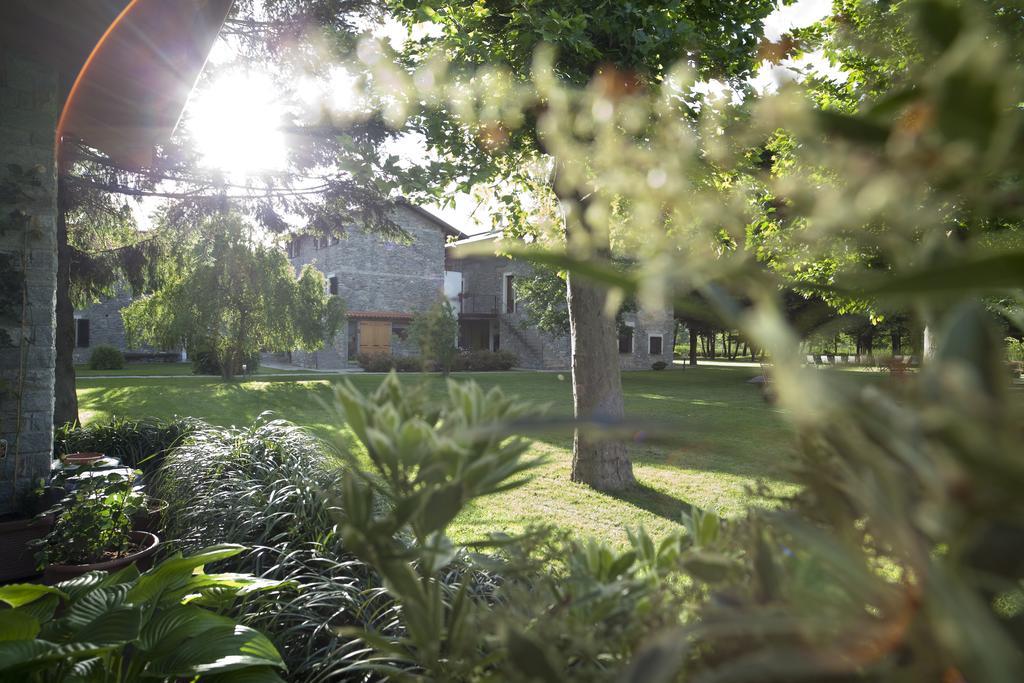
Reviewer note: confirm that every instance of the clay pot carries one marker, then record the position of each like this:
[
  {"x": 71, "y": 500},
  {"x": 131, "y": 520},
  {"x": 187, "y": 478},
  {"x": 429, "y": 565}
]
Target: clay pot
[
  {"x": 84, "y": 458},
  {"x": 142, "y": 559},
  {"x": 17, "y": 559},
  {"x": 148, "y": 518}
]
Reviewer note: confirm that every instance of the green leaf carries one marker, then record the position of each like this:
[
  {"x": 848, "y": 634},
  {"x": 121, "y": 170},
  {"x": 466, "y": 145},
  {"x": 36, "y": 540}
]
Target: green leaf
[
  {"x": 18, "y": 594},
  {"x": 530, "y": 658},
  {"x": 441, "y": 508},
  {"x": 852, "y": 128},
  {"x": 17, "y": 625},
  {"x": 708, "y": 567},
  {"x": 217, "y": 650},
  {"x": 177, "y": 569},
  {"x": 256, "y": 674},
  {"x": 173, "y": 625}
]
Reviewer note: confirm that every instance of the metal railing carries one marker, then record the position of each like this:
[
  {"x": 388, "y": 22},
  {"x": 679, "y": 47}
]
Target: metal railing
[{"x": 479, "y": 304}]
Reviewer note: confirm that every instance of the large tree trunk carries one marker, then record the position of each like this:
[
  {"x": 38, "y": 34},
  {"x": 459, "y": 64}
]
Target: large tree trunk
[
  {"x": 65, "y": 407},
  {"x": 596, "y": 389},
  {"x": 694, "y": 340},
  {"x": 596, "y": 379}
]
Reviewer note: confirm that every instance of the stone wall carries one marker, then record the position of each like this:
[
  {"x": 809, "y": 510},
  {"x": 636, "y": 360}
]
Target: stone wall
[
  {"x": 379, "y": 275},
  {"x": 28, "y": 120},
  {"x": 106, "y": 327},
  {"x": 484, "y": 276}
]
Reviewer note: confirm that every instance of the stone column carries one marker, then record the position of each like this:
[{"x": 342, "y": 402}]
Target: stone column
[{"x": 28, "y": 271}]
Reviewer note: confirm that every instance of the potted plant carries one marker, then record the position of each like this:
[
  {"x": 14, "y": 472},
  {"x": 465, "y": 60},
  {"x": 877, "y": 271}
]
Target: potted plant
[
  {"x": 19, "y": 530},
  {"x": 94, "y": 530}
]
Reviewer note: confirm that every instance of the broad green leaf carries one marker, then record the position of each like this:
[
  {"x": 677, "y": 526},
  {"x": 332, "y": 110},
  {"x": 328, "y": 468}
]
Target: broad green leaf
[
  {"x": 217, "y": 650},
  {"x": 256, "y": 674},
  {"x": 18, "y": 594},
  {"x": 17, "y": 625},
  {"x": 177, "y": 569},
  {"x": 175, "y": 624},
  {"x": 441, "y": 508}
]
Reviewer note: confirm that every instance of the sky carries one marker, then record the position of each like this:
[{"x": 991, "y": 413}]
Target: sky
[{"x": 229, "y": 114}]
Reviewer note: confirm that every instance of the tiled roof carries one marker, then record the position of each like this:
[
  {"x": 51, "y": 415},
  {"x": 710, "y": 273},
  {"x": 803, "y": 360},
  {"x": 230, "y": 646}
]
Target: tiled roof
[{"x": 379, "y": 315}]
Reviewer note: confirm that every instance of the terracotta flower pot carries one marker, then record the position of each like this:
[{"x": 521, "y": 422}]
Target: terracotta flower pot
[
  {"x": 142, "y": 559},
  {"x": 17, "y": 559},
  {"x": 148, "y": 518}
]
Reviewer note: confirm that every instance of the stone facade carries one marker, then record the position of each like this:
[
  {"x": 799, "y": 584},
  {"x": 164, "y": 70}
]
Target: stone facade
[
  {"x": 28, "y": 119},
  {"x": 382, "y": 281},
  {"x": 101, "y": 324},
  {"x": 488, "y": 320}
]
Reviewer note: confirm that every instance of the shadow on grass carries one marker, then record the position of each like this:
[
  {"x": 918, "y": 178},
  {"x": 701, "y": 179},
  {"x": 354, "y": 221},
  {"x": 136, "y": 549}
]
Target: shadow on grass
[{"x": 654, "y": 501}]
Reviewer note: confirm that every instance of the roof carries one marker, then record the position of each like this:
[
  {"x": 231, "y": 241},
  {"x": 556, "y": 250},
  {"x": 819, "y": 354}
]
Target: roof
[
  {"x": 379, "y": 315},
  {"x": 445, "y": 226},
  {"x": 481, "y": 237},
  {"x": 130, "y": 64}
]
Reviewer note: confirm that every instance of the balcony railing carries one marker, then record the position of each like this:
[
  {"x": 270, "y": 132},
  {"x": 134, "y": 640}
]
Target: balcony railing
[{"x": 479, "y": 304}]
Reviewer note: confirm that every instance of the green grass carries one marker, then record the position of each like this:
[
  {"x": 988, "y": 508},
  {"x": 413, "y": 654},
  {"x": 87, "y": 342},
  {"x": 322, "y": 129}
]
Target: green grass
[
  {"x": 164, "y": 370},
  {"x": 725, "y": 438}
]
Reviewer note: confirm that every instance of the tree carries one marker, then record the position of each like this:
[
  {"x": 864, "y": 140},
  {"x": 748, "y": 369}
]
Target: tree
[
  {"x": 236, "y": 297},
  {"x": 622, "y": 48},
  {"x": 435, "y": 332}
]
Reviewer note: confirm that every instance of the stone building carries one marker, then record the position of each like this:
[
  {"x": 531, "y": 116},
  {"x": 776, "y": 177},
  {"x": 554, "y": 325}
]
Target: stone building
[
  {"x": 491, "y": 318},
  {"x": 383, "y": 282}
]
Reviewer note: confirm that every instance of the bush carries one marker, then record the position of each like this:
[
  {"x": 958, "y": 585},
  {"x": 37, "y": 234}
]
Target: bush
[
  {"x": 270, "y": 487},
  {"x": 485, "y": 361},
  {"x": 106, "y": 358},
  {"x": 140, "y": 444},
  {"x": 659, "y": 365},
  {"x": 205, "y": 362},
  {"x": 383, "y": 362}
]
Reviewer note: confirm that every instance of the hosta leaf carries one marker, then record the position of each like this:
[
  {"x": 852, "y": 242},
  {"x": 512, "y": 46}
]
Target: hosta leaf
[
  {"x": 175, "y": 570},
  {"x": 17, "y": 625},
  {"x": 18, "y": 594},
  {"x": 256, "y": 674},
  {"x": 94, "y": 605},
  {"x": 16, "y": 653},
  {"x": 176, "y": 624},
  {"x": 217, "y": 650}
]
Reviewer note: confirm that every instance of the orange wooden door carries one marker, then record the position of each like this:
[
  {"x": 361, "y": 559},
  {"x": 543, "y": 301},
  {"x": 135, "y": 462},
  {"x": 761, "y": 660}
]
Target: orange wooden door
[{"x": 374, "y": 336}]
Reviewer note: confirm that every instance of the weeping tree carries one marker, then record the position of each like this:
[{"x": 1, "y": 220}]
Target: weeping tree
[
  {"x": 232, "y": 295},
  {"x": 619, "y": 48}
]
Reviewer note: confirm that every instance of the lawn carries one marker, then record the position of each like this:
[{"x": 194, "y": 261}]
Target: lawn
[
  {"x": 162, "y": 370},
  {"x": 725, "y": 439}
]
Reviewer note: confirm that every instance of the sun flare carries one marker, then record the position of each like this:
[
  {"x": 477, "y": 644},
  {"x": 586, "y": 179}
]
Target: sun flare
[{"x": 236, "y": 124}]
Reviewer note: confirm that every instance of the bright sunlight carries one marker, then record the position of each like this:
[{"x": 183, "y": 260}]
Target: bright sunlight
[{"x": 236, "y": 124}]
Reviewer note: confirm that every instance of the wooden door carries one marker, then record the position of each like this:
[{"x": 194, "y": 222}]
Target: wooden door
[{"x": 375, "y": 336}]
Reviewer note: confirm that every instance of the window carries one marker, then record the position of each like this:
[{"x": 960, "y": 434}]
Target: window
[
  {"x": 654, "y": 344},
  {"x": 510, "y": 293},
  {"x": 295, "y": 247},
  {"x": 625, "y": 339},
  {"x": 82, "y": 333},
  {"x": 332, "y": 285}
]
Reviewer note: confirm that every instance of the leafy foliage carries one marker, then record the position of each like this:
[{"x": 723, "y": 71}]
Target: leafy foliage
[
  {"x": 94, "y": 523},
  {"x": 236, "y": 297},
  {"x": 162, "y": 625},
  {"x": 435, "y": 331},
  {"x": 105, "y": 357}
]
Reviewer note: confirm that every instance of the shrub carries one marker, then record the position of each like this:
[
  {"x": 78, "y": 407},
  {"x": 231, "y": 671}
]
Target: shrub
[
  {"x": 383, "y": 362},
  {"x": 485, "y": 361},
  {"x": 270, "y": 487},
  {"x": 435, "y": 331},
  {"x": 106, "y": 358},
  {"x": 161, "y": 625},
  {"x": 140, "y": 444},
  {"x": 205, "y": 362},
  {"x": 659, "y": 365}
]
